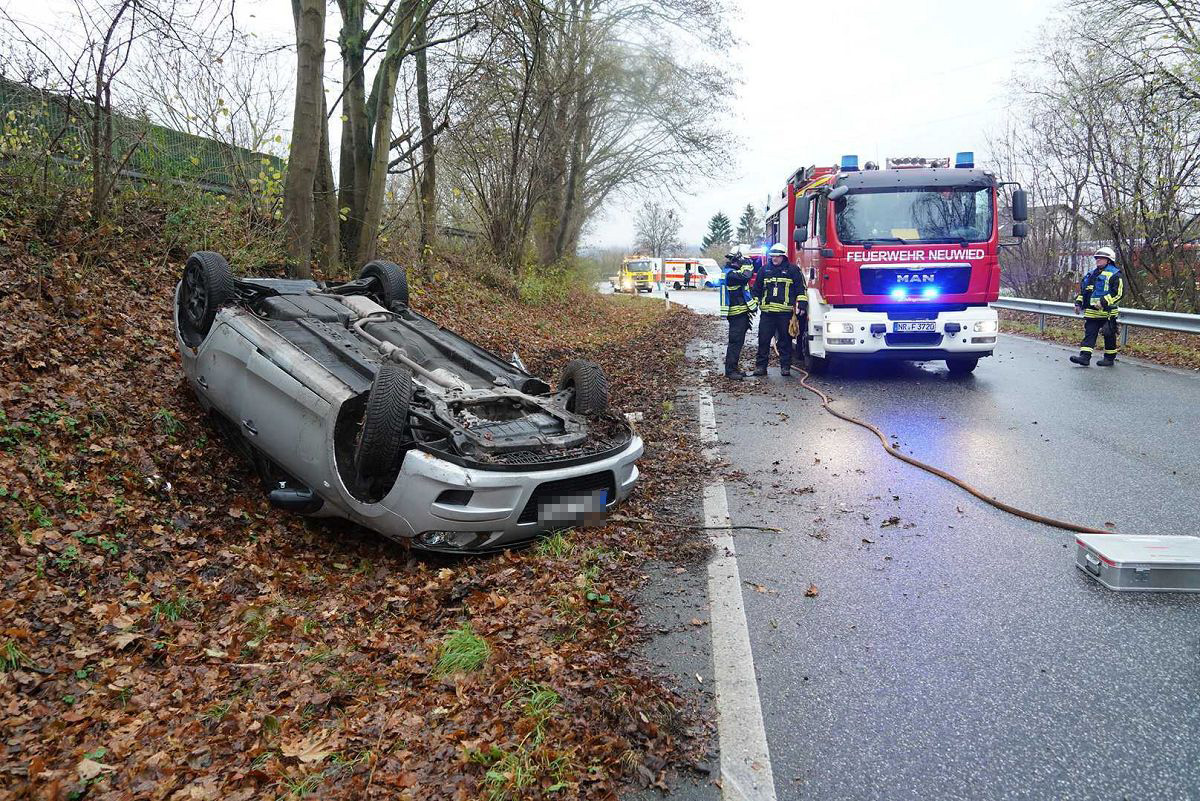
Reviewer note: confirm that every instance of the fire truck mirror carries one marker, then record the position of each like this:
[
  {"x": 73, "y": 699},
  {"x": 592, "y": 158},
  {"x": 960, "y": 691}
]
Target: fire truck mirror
[
  {"x": 802, "y": 209},
  {"x": 800, "y": 234},
  {"x": 839, "y": 192},
  {"x": 1020, "y": 230},
  {"x": 1020, "y": 205}
]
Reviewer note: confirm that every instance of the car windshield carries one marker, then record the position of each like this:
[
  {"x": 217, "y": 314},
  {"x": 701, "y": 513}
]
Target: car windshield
[{"x": 919, "y": 215}]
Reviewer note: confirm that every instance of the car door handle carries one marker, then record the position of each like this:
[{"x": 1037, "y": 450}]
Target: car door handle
[
  {"x": 249, "y": 426},
  {"x": 200, "y": 380}
]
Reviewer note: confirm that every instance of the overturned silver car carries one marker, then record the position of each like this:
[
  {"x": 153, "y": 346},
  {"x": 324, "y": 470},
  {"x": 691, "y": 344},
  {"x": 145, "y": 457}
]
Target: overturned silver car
[{"x": 350, "y": 404}]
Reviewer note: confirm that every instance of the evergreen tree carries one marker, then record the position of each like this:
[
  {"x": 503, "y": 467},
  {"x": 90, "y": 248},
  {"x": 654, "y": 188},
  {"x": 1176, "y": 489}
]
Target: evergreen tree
[
  {"x": 750, "y": 226},
  {"x": 720, "y": 231}
]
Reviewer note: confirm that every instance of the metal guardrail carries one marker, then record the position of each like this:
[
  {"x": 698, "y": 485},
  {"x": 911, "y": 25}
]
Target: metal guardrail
[{"x": 1142, "y": 318}]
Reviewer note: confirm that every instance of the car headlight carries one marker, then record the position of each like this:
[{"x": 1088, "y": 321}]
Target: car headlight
[
  {"x": 985, "y": 327},
  {"x": 840, "y": 327}
]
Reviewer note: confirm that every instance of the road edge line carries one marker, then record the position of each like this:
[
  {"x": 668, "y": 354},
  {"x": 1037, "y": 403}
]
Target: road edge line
[{"x": 744, "y": 756}]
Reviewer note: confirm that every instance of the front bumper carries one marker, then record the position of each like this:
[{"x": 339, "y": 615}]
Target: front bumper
[
  {"x": 497, "y": 513},
  {"x": 954, "y": 334}
]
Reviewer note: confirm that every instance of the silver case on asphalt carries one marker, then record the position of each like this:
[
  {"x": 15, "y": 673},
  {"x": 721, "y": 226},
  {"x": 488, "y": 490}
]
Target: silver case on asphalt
[{"x": 1140, "y": 563}]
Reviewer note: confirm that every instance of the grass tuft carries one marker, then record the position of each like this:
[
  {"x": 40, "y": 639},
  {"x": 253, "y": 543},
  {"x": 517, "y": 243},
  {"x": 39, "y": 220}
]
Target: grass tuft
[{"x": 461, "y": 652}]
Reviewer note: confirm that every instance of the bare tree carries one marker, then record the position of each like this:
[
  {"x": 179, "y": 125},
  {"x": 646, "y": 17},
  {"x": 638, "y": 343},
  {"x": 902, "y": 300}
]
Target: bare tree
[
  {"x": 657, "y": 229},
  {"x": 86, "y": 66}
]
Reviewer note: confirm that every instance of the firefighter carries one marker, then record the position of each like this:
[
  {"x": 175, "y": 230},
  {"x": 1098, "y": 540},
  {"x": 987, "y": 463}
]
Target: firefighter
[
  {"x": 777, "y": 291},
  {"x": 1099, "y": 297},
  {"x": 737, "y": 306}
]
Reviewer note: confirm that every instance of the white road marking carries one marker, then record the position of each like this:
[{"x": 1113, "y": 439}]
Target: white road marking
[{"x": 745, "y": 760}]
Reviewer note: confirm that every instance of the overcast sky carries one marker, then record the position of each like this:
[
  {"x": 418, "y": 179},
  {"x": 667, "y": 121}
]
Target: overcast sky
[
  {"x": 872, "y": 77},
  {"x": 875, "y": 78}
]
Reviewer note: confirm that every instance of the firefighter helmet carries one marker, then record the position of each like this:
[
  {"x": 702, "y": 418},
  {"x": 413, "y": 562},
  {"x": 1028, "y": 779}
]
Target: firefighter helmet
[
  {"x": 778, "y": 250},
  {"x": 1107, "y": 253}
]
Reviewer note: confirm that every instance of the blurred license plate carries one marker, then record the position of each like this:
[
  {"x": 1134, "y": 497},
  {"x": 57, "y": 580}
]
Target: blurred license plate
[
  {"x": 582, "y": 508},
  {"x": 924, "y": 325}
]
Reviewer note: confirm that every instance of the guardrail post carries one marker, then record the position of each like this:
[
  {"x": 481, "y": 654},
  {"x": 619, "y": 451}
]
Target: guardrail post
[
  {"x": 1042, "y": 323},
  {"x": 1124, "y": 335},
  {"x": 667, "y": 295}
]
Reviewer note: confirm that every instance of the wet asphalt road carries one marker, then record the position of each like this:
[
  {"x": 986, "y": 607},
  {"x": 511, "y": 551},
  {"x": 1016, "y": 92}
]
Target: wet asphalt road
[{"x": 954, "y": 651}]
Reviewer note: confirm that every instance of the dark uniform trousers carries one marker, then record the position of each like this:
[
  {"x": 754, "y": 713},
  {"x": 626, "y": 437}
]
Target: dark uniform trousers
[
  {"x": 774, "y": 325},
  {"x": 739, "y": 324},
  {"x": 1092, "y": 327}
]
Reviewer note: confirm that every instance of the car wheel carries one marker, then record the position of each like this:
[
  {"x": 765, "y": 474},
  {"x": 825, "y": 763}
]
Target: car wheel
[
  {"x": 385, "y": 422},
  {"x": 961, "y": 366},
  {"x": 391, "y": 279},
  {"x": 590, "y": 384},
  {"x": 207, "y": 286}
]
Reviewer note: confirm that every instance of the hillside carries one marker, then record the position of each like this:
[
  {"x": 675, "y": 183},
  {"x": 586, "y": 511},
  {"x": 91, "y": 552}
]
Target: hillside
[{"x": 166, "y": 634}]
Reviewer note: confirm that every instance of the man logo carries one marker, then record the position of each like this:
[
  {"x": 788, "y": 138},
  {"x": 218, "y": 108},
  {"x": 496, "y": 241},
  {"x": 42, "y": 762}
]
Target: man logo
[{"x": 915, "y": 278}]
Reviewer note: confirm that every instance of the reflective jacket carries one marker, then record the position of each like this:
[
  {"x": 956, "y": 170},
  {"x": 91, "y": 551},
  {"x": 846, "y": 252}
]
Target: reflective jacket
[
  {"x": 735, "y": 299},
  {"x": 1100, "y": 292},
  {"x": 778, "y": 288}
]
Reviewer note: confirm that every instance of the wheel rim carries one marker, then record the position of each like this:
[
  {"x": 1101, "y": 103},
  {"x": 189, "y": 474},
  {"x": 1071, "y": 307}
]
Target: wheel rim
[{"x": 195, "y": 295}]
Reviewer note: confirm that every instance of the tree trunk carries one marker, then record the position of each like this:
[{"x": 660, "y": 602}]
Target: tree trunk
[
  {"x": 380, "y": 106},
  {"x": 356, "y": 129},
  {"x": 327, "y": 248},
  {"x": 306, "y": 134},
  {"x": 427, "y": 189}
]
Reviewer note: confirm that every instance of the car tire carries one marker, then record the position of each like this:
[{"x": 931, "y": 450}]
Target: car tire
[
  {"x": 384, "y": 429},
  {"x": 206, "y": 286},
  {"x": 961, "y": 366},
  {"x": 590, "y": 384},
  {"x": 391, "y": 279}
]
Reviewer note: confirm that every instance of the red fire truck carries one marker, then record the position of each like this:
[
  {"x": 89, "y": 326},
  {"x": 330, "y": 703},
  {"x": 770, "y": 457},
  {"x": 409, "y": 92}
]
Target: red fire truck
[{"x": 901, "y": 262}]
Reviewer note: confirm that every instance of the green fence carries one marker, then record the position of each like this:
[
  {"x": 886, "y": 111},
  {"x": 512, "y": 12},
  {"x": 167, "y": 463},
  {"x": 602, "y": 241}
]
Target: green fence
[{"x": 158, "y": 153}]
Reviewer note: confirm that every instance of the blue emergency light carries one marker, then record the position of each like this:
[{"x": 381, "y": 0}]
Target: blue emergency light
[
  {"x": 899, "y": 294},
  {"x": 929, "y": 292},
  {"x": 849, "y": 163},
  {"x": 964, "y": 160}
]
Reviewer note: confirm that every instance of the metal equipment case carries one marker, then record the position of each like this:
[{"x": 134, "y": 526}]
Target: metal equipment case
[{"x": 1139, "y": 563}]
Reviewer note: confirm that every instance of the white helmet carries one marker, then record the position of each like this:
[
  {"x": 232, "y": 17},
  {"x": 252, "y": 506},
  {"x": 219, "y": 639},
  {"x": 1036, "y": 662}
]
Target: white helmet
[
  {"x": 1107, "y": 253},
  {"x": 778, "y": 250}
]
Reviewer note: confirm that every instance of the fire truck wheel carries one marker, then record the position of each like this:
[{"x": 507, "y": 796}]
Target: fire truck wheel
[
  {"x": 961, "y": 366},
  {"x": 815, "y": 365}
]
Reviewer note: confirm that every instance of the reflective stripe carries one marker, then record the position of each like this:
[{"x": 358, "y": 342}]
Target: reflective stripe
[
  {"x": 775, "y": 293},
  {"x": 1085, "y": 349},
  {"x": 1110, "y": 352}
]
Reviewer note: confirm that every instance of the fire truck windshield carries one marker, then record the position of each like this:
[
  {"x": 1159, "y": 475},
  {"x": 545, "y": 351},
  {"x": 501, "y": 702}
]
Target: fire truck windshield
[{"x": 914, "y": 215}]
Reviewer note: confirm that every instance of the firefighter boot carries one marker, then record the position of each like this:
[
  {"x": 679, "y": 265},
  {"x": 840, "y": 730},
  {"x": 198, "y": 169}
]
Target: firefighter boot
[
  {"x": 760, "y": 372},
  {"x": 1083, "y": 359},
  {"x": 1107, "y": 361},
  {"x": 785, "y": 371}
]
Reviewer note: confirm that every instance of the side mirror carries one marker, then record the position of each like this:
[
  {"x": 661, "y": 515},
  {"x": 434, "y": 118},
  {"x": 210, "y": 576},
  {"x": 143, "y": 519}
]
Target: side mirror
[
  {"x": 800, "y": 234},
  {"x": 1020, "y": 205},
  {"x": 802, "y": 209},
  {"x": 839, "y": 192},
  {"x": 1020, "y": 230}
]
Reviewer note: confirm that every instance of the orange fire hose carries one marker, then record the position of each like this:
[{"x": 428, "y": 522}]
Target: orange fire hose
[{"x": 928, "y": 468}]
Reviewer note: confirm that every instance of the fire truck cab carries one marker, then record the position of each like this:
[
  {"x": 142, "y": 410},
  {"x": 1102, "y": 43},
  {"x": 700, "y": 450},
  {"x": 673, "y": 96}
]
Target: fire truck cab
[{"x": 901, "y": 262}]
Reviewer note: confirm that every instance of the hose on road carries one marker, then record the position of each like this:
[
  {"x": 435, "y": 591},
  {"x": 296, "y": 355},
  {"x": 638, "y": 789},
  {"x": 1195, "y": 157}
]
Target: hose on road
[{"x": 826, "y": 402}]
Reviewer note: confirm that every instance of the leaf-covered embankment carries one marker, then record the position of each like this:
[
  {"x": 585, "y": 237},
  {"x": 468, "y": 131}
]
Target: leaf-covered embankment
[{"x": 164, "y": 633}]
